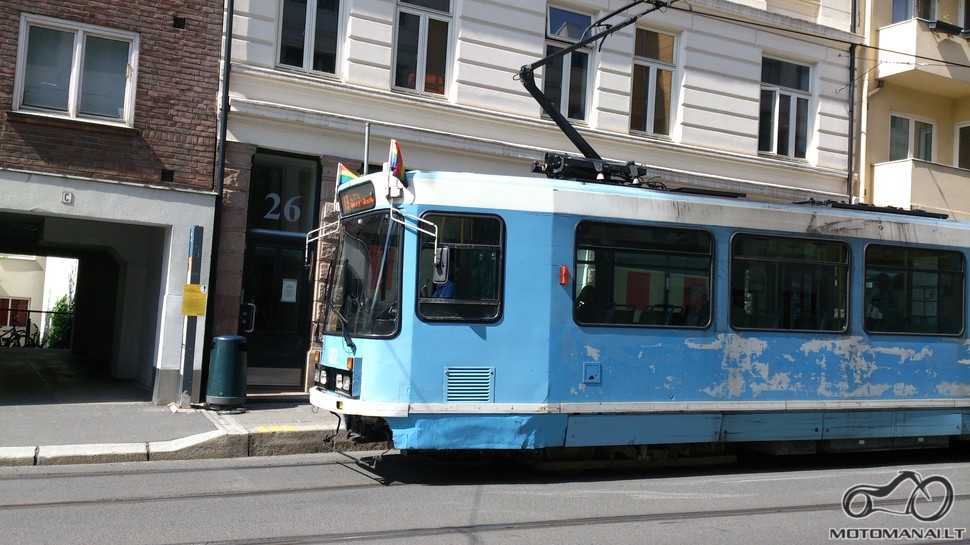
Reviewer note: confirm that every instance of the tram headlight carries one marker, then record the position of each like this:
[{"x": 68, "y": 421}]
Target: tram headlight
[{"x": 340, "y": 382}]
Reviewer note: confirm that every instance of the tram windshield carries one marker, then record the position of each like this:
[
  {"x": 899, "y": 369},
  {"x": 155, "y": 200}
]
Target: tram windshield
[{"x": 365, "y": 280}]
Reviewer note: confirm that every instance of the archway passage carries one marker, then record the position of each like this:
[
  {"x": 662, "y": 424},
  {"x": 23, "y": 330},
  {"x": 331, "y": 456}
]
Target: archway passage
[{"x": 112, "y": 300}]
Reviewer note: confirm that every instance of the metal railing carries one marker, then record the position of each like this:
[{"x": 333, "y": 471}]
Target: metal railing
[{"x": 20, "y": 328}]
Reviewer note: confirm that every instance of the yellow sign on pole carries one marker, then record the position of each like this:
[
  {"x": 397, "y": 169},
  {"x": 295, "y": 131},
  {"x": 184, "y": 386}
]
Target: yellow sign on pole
[{"x": 193, "y": 300}]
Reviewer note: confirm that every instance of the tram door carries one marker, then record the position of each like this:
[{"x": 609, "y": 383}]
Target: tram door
[{"x": 276, "y": 300}]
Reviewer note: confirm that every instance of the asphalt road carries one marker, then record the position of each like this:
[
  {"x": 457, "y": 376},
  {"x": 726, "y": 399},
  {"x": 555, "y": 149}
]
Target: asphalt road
[{"x": 332, "y": 499}]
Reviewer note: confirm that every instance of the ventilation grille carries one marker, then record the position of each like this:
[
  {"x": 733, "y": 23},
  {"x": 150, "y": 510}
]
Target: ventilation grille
[{"x": 469, "y": 384}]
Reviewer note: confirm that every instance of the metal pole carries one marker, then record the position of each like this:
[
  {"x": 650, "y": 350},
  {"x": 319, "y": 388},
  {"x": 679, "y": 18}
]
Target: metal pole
[
  {"x": 366, "y": 146},
  {"x": 189, "y": 335},
  {"x": 220, "y": 177}
]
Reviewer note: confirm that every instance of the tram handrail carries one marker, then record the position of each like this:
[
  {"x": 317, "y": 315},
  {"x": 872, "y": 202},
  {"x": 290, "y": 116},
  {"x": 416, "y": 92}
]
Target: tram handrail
[
  {"x": 432, "y": 233},
  {"x": 325, "y": 230}
]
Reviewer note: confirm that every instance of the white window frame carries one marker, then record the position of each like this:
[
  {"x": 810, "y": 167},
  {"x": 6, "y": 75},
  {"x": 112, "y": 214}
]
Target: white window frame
[
  {"x": 309, "y": 36},
  {"x": 956, "y": 144},
  {"x": 74, "y": 91},
  {"x": 421, "y": 70},
  {"x": 654, "y": 65},
  {"x": 777, "y": 91},
  {"x": 564, "y": 42},
  {"x": 911, "y": 138}
]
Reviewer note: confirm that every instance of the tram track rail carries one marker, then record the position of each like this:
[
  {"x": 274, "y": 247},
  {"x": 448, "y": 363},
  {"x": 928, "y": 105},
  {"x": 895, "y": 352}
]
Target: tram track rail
[
  {"x": 189, "y": 496},
  {"x": 373, "y": 481},
  {"x": 145, "y": 469},
  {"x": 545, "y": 524},
  {"x": 402, "y": 534},
  {"x": 393, "y": 471}
]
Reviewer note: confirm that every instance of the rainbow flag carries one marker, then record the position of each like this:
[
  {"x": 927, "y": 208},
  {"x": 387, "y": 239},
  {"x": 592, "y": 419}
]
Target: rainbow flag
[
  {"x": 344, "y": 174},
  {"x": 396, "y": 162}
]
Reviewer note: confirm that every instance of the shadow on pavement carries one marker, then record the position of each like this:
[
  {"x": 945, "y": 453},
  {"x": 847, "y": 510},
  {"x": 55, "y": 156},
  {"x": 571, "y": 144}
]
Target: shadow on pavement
[{"x": 37, "y": 376}]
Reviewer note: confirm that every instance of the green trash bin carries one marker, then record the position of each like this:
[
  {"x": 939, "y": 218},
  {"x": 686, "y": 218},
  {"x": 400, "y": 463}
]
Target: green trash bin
[{"x": 227, "y": 371}]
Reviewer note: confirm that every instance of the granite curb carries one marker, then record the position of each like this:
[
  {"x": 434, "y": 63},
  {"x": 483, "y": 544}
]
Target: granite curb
[{"x": 230, "y": 439}]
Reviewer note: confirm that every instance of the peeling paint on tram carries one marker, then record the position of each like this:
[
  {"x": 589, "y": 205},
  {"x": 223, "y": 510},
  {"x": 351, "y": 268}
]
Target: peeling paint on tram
[{"x": 844, "y": 368}]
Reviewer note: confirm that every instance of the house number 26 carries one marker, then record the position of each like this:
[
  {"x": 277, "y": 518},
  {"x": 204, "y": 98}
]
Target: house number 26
[{"x": 289, "y": 210}]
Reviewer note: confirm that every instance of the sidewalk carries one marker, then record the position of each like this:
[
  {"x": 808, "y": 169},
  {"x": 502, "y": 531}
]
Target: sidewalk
[{"x": 54, "y": 410}]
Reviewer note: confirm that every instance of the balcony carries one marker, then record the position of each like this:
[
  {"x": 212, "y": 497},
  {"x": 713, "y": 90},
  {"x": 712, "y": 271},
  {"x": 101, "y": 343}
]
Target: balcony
[
  {"x": 925, "y": 186},
  {"x": 923, "y": 39}
]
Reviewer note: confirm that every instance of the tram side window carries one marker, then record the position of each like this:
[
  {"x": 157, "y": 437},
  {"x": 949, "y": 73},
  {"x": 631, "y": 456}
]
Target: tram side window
[
  {"x": 473, "y": 291},
  {"x": 788, "y": 283},
  {"x": 642, "y": 276},
  {"x": 914, "y": 290}
]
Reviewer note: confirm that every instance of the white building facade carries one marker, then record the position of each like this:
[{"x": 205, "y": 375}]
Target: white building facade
[{"x": 749, "y": 96}]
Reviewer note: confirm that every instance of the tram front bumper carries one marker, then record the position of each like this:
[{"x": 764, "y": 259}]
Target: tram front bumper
[{"x": 342, "y": 405}]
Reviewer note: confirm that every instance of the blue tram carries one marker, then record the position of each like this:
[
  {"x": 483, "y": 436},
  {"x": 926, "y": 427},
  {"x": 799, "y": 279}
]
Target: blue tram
[{"x": 472, "y": 312}]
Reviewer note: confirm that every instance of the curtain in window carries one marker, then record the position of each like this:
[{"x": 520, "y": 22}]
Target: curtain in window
[
  {"x": 47, "y": 76},
  {"x": 103, "y": 77}
]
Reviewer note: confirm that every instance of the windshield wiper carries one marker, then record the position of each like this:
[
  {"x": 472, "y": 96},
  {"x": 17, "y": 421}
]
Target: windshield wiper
[{"x": 344, "y": 324}]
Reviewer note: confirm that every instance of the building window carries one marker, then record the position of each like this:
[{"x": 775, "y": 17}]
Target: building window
[
  {"x": 13, "y": 312},
  {"x": 472, "y": 291},
  {"x": 785, "y": 96},
  {"x": 788, "y": 283},
  {"x": 77, "y": 71},
  {"x": 914, "y": 290},
  {"x": 910, "y": 139},
  {"x": 653, "y": 76},
  {"x": 565, "y": 79},
  {"x": 642, "y": 276},
  {"x": 422, "y": 45},
  {"x": 904, "y": 10},
  {"x": 309, "y": 35},
  {"x": 963, "y": 146}
]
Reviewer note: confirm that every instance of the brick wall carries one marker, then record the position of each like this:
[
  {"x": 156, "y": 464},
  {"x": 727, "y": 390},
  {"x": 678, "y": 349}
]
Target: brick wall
[
  {"x": 325, "y": 246},
  {"x": 176, "y": 99}
]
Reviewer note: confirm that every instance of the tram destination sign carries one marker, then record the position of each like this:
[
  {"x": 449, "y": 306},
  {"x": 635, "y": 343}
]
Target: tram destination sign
[{"x": 357, "y": 199}]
